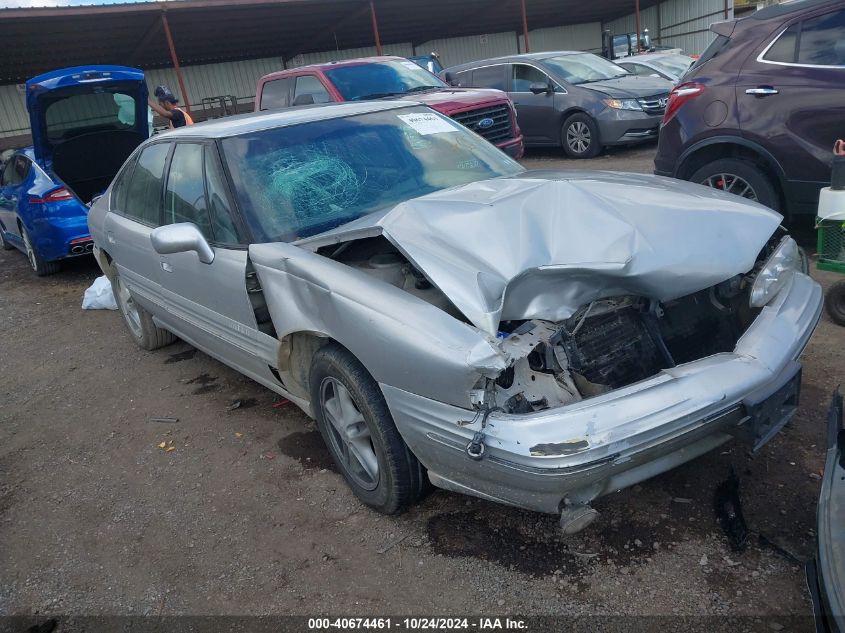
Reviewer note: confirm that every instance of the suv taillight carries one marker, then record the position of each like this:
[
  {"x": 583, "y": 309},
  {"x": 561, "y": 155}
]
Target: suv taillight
[
  {"x": 680, "y": 95},
  {"x": 56, "y": 195}
]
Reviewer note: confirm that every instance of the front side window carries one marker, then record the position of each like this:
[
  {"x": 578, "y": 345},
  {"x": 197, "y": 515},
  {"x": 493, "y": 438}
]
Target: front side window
[
  {"x": 309, "y": 89},
  {"x": 219, "y": 209},
  {"x": 184, "y": 197},
  {"x": 296, "y": 181},
  {"x": 143, "y": 195},
  {"x": 524, "y": 76},
  {"x": 382, "y": 79},
  {"x": 275, "y": 94},
  {"x": 489, "y": 77},
  {"x": 583, "y": 68}
]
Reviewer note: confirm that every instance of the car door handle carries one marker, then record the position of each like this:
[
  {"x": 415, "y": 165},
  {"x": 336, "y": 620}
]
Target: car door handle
[
  {"x": 165, "y": 266},
  {"x": 762, "y": 91},
  {"x": 110, "y": 237}
]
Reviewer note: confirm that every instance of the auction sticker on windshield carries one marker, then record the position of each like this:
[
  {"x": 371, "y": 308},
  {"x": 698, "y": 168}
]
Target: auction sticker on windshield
[{"x": 427, "y": 123}]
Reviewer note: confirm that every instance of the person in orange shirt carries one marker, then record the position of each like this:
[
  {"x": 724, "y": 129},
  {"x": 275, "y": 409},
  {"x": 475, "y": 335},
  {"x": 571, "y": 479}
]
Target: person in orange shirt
[{"x": 167, "y": 108}]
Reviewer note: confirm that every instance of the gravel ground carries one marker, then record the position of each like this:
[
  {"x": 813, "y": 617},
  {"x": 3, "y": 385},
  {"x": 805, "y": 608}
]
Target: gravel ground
[{"x": 247, "y": 515}]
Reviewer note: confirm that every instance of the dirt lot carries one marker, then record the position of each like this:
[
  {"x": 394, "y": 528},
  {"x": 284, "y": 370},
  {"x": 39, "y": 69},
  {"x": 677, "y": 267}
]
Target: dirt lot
[{"x": 247, "y": 515}]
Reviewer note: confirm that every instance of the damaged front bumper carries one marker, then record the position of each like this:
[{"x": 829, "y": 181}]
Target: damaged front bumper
[{"x": 572, "y": 454}]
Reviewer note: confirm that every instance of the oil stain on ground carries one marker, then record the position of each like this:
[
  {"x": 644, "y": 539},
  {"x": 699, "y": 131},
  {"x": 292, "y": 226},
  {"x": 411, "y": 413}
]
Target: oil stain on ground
[
  {"x": 188, "y": 354},
  {"x": 308, "y": 448},
  {"x": 534, "y": 544},
  {"x": 206, "y": 384}
]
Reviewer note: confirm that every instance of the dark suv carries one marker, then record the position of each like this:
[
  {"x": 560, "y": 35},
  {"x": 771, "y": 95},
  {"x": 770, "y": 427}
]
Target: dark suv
[{"x": 758, "y": 113}]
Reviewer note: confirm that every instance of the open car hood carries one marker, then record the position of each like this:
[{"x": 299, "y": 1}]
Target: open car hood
[{"x": 542, "y": 244}]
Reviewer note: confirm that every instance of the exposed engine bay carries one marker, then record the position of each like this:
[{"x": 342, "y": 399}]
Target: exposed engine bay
[{"x": 605, "y": 345}]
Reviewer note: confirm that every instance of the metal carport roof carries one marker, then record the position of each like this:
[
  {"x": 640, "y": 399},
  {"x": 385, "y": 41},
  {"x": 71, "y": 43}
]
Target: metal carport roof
[{"x": 206, "y": 31}]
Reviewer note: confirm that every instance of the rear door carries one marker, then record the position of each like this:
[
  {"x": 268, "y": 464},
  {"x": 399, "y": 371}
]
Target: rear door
[
  {"x": 208, "y": 304},
  {"x": 791, "y": 98},
  {"x": 134, "y": 211}
]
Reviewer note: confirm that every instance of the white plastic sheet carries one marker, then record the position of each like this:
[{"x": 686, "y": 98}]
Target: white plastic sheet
[{"x": 99, "y": 296}]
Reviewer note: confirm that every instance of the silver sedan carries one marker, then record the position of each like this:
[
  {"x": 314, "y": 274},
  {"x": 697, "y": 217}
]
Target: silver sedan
[{"x": 534, "y": 338}]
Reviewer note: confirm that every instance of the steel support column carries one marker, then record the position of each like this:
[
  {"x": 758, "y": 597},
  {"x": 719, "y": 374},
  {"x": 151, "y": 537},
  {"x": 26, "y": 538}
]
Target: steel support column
[
  {"x": 637, "y": 13},
  {"x": 184, "y": 93},
  {"x": 525, "y": 27},
  {"x": 375, "y": 27}
]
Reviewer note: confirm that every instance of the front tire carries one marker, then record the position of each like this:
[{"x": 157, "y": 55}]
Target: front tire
[
  {"x": 580, "y": 136},
  {"x": 740, "y": 177},
  {"x": 359, "y": 431},
  {"x": 39, "y": 266},
  {"x": 834, "y": 302},
  {"x": 146, "y": 334}
]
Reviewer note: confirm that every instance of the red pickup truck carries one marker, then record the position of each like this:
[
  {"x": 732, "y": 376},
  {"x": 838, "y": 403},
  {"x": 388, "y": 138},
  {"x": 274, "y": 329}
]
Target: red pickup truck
[{"x": 489, "y": 113}]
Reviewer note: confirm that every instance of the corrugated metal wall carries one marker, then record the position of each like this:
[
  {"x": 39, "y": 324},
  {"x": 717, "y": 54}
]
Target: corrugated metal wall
[
  {"x": 684, "y": 24},
  {"x": 458, "y": 50}
]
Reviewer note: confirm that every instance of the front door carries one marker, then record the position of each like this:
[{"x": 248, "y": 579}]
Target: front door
[
  {"x": 208, "y": 304},
  {"x": 535, "y": 112}
]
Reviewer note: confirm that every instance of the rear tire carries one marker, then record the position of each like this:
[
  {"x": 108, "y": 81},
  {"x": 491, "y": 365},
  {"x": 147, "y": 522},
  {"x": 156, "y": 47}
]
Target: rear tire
[
  {"x": 580, "y": 136},
  {"x": 834, "y": 302},
  {"x": 740, "y": 177},
  {"x": 39, "y": 266},
  {"x": 146, "y": 334},
  {"x": 359, "y": 431}
]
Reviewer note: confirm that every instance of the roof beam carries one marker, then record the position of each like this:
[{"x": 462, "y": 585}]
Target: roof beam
[
  {"x": 319, "y": 35},
  {"x": 145, "y": 41}
]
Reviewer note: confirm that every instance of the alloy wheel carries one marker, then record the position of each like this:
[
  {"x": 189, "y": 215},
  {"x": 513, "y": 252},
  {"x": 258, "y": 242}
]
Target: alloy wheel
[
  {"x": 578, "y": 137},
  {"x": 731, "y": 183},
  {"x": 349, "y": 433}
]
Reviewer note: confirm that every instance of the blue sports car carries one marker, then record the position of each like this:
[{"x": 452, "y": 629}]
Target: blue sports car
[{"x": 85, "y": 122}]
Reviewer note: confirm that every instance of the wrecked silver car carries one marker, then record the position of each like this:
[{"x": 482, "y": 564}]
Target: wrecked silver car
[{"x": 533, "y": 338}]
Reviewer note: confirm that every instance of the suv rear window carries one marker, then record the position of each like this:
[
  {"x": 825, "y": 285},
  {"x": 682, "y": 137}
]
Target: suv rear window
[{"x": 716, "y": 47}]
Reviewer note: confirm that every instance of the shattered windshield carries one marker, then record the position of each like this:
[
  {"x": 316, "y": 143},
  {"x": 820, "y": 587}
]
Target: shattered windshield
[
  {"x": 382, "y": 79},
  {"x": 296, "y": 181},
  {"x": 583, "y": 68}
]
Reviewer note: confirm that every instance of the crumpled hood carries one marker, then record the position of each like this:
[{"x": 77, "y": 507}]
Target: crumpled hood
[{"x": 542, "y": 244}]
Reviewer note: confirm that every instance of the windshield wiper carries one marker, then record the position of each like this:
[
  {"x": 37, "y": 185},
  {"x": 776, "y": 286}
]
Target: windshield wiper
[
  {"x": 377, "y": 95},
  {"x": 421, "y": 88}
]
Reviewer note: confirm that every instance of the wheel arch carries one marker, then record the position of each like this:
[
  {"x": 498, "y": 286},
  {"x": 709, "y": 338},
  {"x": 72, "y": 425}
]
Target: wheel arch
[{"x": 719, "y": 147}]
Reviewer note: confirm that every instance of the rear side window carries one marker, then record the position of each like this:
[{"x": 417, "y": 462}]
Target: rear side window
[
  {"x": 309, "y": 89},
  {"x": 16, "y": 171},
  {"x": 143, "y": 195},
  {"x": 120, "y": 187},
  {"x": 822, "y": 40},
  {"x": 783, "y": 49},
  {"x": 184, "y": 197},
  {"x": 275, "y": 94},
  {"x": 716, "y": 46},
  {"x": 489, "y": 77}
]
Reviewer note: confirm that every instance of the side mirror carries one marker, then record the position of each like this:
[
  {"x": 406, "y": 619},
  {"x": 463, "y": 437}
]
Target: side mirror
[
  {"x": 181, "y": 238},
  {"x": 539, "y": 88}
]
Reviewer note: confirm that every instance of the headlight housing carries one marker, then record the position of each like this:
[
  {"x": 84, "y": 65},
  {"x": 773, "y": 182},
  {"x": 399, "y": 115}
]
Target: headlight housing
[
  {"x": 623, "y": 104},
  {"x": 776, "y": 272}
]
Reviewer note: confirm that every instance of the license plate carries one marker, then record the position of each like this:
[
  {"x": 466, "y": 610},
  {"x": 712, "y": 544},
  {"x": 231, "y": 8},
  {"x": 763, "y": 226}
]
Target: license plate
[{"x": 770, "y": 408}]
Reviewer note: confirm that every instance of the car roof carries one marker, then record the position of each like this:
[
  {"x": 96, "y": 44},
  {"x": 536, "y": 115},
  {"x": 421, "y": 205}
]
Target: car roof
[
  {"x": 268, "y": 119},
  {"x": 335, "y": 64},
  {"x": 504, "y": 59},
  {"x": 791, "y": 6}
]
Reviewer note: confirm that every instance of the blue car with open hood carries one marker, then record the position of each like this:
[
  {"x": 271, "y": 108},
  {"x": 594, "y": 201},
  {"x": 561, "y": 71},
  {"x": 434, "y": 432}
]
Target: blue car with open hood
[{"x": 85, "y": 122}]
